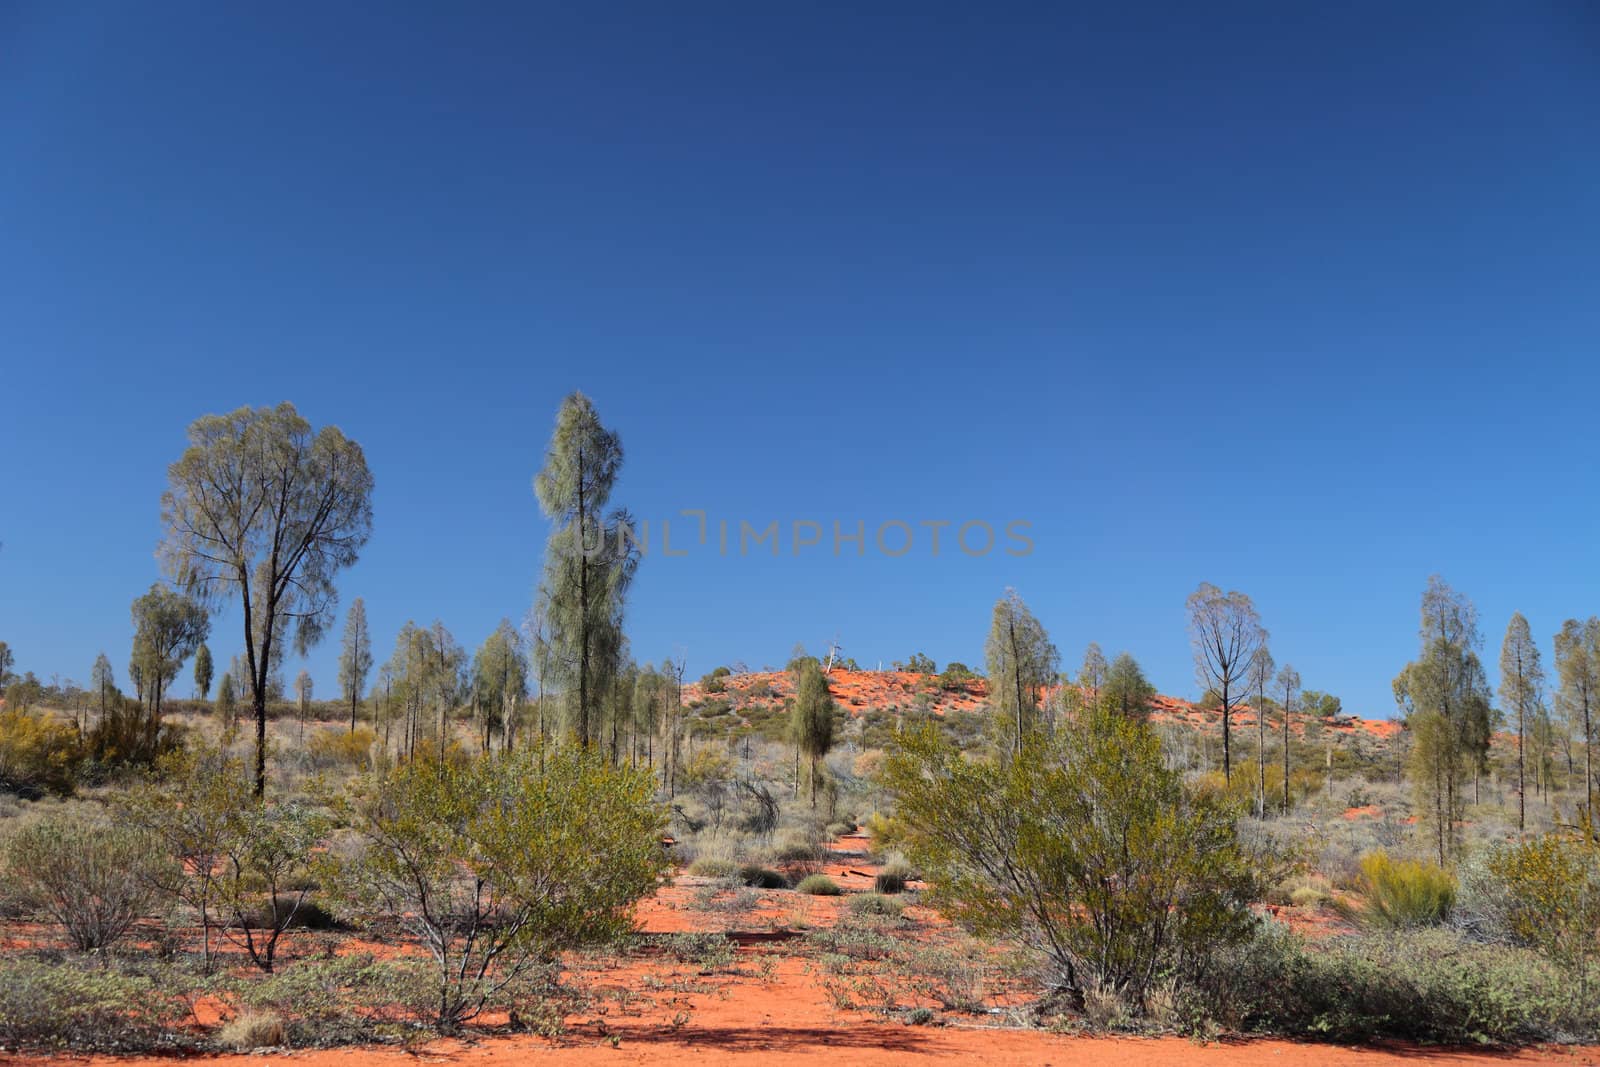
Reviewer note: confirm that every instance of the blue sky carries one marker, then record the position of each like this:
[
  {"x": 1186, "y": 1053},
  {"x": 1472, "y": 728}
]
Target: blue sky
[{"x": 1296, "y": 300}]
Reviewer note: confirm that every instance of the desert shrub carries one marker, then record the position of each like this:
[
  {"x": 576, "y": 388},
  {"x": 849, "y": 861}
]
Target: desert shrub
[
  {"x": 956, "y": 676},
  {"x": 818, "y": 885},
  {"x": 129, "y": 736},
  {"x": 894, "y": 875},
  {"x": 876, "y": 904},
  {"x": 560, "y": 845},
  {"x": 336, "y": 1001},
  {"x": 1550, "y": 889},
  {"x": 252, "y": 1030},
  {"x": 758, "y": 877},
  {"x": 714, "y": 867},
  {"x": 94, "y": 1008},
  {"x": 38, "y": 755},
  {"x": 241, "y": 863},
  {"x": 93, "y": 877},
  {"x": 1408, "y": 984},
  {"x": 331, "y": 747},
  {"x": 837, "y": 830},
  {"x": 1402, "y": 893},
  {"x": 1085, "y": 847}
]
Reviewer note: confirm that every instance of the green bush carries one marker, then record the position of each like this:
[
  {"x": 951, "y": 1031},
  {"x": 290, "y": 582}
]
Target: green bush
[
  {"x": 876, "y": 904},
  {"x": 1085, "y": 844},
  {"x": 1402, "y": 893},
  {"x": 1550, "y": 888},
  {"x": 1410, "y": 984},
  {"x": 38, "y": 755},
  {"x": 51, "y": 1006},
  {"x": 561, "y": 845},
  {"x": 818, "y": 885},
  {"x": 339, "y": 1001},
  {"x": 94, "y": 878}
]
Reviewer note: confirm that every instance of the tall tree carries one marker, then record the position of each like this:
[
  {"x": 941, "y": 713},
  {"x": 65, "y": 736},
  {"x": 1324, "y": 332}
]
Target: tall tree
[
  {"x": 227, "y": 701},
  {"x": 1521, "y": 684},
  {"x": 1022, "y": 663},
  {"x": 1289, "y": 685},
  {"x": 499, "y": 682},
  {"x": 8, "y": 660},
  {"x": 1578, "y": 665},
  {"x": 102, "y": 680},
  {"x": 811, "y": 719},
  {"x": 202, "y": 672},
  {"x": 261, "y": 506},
  {"x": 589, "y": 564},
  {"x": 1444, "y": 696},
  {"x": 168, "y": 628},
  {"x": 302, "y": 692},
  {"x": 1124, "y": 690},
  {"x": 1225, "y": 632},
  {"x": 355, "y": 657},
  {"x": 1260, "y": 676}
]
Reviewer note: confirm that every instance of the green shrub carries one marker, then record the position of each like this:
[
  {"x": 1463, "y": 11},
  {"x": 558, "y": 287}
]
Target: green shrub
[
  {"x": 818, "y": 885},
  {"x": 561, "y": 845},
  {"x": 38, "y": 755},
  {"x": 1402, "y": 893},
  {"x": 1550, "y": 889},
  {"x": 757, "y": 877},
  {"x": 1085, "y": 844},
  {"x": 94, "y": 878},
  {"x": 63, "y": 1005},
  {"x": 1408, "y": 984},
  {"x": 876, "y": 904},
  {"x": 338, "y": 1001},
  {"x": 837, "y": 830}
]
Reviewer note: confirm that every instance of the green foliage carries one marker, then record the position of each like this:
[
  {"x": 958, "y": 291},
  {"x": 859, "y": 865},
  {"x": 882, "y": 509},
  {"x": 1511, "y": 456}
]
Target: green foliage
[
  {"x": 955, "y": 676},
  {"x": 714, "y": 867},
  {"x": 892, "y": 878},
  {"x": 1085, "y": 847},
  {"x": 94, "y": 878},
  {"x": 50, "y": 1006},
  {"x": 1021, "y": 662},
  {"x": 342, "y": 1000},
  {"x": 1401, "y": 893},
  {"x": 203, "y": 669},
  {"x": 811, "y": 722},
  {"x": 560, "y": 845},
  {"x": 1126, "y": 691},
  {"x": 1551, "y": 885},
  {"x": 818, "y": 885},
  {"x": 128, "y": 736},
  {"x": 38, "y": 755},
  {"x": 1415, "y": 985},
  {"x": 920, "y": 664}
]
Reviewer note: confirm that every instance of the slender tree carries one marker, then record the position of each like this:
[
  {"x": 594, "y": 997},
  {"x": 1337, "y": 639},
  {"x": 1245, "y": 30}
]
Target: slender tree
[
  {"x": 8, "y": 660},
  {"x": 1521, "y": 681},
  {"x": 811, "y": 719},
  {"x": 355, "y": 657},
  {"x": 1260, "y": 676},
  {"x": 103, "y": 680},
  {"x": 589, "y": 563},
  {"x": 202, "y": 672},
  {"x": 1444, "y": 696},
  {"x": 261, "y": 506},
  {"x": 302, "y": 692},
  {"x": 168, "y": 628},
  {"x": 1578, "y": 665},
  {"x": 499, "y": 682},
  {"x": 227, "y": 701},
  {"x": 1225, "y": 632},
  {"x": 1289, "y": 684},
  {"x": 1022, "y": 663}
]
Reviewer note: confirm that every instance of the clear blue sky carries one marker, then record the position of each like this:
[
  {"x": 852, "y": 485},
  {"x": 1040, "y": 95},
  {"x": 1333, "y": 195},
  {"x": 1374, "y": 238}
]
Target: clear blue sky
[{"x": 1298, "y": 299}]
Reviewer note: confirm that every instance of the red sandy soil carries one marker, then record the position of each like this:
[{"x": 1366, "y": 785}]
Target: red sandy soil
[{"x": 861, "y": 691}]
